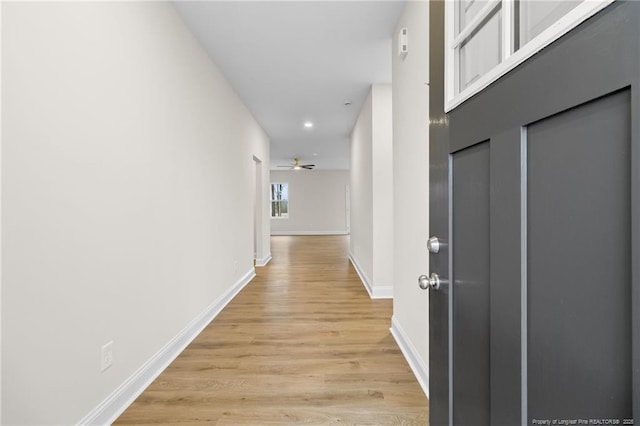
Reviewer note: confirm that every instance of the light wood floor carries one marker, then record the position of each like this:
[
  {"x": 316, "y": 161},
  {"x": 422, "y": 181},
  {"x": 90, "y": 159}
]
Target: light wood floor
[{"x": 302, "y": 344}]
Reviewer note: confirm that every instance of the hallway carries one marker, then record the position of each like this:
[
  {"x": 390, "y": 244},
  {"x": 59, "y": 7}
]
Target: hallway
[{"x": 302, "y": 343}]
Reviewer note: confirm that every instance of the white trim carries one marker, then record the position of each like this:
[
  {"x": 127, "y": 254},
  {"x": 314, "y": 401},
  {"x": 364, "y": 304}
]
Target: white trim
[
  {"x": 508, "y": 30},
  {"x": 575, "y": 17},
  {"x": 342, "y": 232},
  {"x": 264, "y": 260},
  {"x": 122, "y": 397},
  {"x": 451, "y": 71},
  {"x": 418, "y": 366},
  {"x": 375, "y": 292}
]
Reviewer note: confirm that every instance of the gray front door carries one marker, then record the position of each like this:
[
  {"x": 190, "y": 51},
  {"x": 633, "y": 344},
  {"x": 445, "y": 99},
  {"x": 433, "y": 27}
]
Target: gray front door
[{"x": 535, "y": 193}]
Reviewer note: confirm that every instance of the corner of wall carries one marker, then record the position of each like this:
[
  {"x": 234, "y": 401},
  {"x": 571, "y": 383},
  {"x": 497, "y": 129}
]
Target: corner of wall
[
  {"x": 264, "y": 260},
  {"x": 375, "y": 291}
]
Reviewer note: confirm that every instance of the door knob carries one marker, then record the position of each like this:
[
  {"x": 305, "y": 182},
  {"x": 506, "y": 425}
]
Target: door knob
[
  {"x": 432, "y": 282},
  {"x": 433, "y": 245}
]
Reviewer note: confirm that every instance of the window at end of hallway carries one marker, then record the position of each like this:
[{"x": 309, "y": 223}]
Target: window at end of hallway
[{"x": 280, "y": 200}]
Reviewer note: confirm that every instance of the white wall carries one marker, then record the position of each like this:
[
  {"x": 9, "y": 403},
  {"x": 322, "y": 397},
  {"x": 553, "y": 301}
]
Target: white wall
[
  {"x": 382, "y": 188},
  {"x": 317, "y": 202},
  {"x": 361, "y": 172},
  {"x": 127, "y": 194},
  {"x": 371, "y": 242},
  {"x": 411, "y": 187}
]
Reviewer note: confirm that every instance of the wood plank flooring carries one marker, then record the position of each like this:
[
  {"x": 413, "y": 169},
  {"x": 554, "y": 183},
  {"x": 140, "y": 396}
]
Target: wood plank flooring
[{"x": 302, "y": 344}]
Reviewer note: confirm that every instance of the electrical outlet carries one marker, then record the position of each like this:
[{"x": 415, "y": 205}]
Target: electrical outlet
[{"x": 107, "y": 355}]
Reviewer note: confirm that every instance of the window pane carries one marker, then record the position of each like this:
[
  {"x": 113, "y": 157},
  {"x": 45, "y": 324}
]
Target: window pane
[
  {"x": 466, "y": 11},
  {"x": 279, "y": 200},
  {"x": 482, "y": 51},
  {"x": 536, "y": 16}
]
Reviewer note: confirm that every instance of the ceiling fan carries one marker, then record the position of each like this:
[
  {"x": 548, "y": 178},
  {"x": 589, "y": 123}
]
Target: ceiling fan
[{"x": 297, "y": 166}]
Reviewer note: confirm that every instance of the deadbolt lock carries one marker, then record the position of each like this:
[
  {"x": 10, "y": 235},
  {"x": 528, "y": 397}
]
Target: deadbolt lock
[{"x": 433, "y": 245}]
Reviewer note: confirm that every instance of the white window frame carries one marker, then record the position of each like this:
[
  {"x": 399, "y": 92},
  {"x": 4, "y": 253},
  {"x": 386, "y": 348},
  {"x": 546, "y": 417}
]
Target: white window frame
[
  {"x": 272, "y": 200},
  {"x": 510, "y": 59}
]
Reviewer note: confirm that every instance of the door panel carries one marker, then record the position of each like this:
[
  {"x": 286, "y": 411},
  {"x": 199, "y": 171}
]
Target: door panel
[
  {"x": 470, "y": 290},
  {"x": 579, "y": 265}
]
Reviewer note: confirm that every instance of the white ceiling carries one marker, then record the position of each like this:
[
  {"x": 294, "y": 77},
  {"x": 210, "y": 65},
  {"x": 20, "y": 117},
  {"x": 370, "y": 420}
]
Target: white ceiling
[{"x": 297, "y": 61}]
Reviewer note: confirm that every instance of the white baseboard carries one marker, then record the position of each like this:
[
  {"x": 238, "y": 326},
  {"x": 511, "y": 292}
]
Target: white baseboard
[
  {"x": 342, "y": 232},
  {"x": 361, "y": 274},
  {"x": 264, "y": 260},
  {"x": 415, "y": 361},
  {"x": 375, "y": 292},
  {"x": 114, "y": 405}
]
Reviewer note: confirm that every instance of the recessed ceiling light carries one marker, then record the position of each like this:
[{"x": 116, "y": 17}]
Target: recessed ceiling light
[{"x": 308, "y": 124}]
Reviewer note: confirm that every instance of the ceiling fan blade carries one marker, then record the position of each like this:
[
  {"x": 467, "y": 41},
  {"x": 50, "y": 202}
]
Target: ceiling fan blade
[{"x": 308, "y": 166}]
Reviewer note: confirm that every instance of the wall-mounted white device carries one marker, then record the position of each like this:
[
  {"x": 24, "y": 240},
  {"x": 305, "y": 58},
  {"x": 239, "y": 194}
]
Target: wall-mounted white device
[{"x": 403, "y": 41}]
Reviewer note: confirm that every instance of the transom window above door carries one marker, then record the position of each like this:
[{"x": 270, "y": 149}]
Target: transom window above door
[{"x": 487, "y": 38}]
